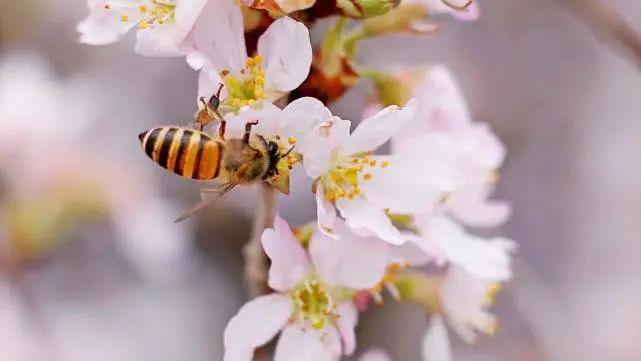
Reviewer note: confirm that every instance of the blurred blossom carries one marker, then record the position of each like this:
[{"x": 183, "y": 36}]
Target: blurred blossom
[{"x": 54, "y": 183}]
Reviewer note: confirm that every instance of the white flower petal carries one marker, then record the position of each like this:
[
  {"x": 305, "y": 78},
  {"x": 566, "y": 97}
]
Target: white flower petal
[
  {"x": 489, "y": 259},
  {"x": 159, "y": 41},
  {"x": 218, "y": 36},
  {"x": 328, "y": 138},
  {"x": 362, "y": 214},
  {"x": 349, "y": 260},
  {"x": 289, "y": 6},
  {"x": 209, "y": 81},
  {"x": 104, "y": 26},
  {"x": 375, "y": 355},
  {"x": 255, "y": 324},
  {"x": 301, "y": 116},
  {"x": 375, "y": 131},
  {"x": 346, "y": 322},
  {"x": 398, "y": 188},
  {"x": 464, "y": 300},
  {"x": 288, "y": 54},
  {"x": 308, "y": 344},
  {"x": 325, "y": 211},
  {"x": 289, "y": 262},
  {"x": 436, "y": 342},
  {"x": 267, "y": 114}
]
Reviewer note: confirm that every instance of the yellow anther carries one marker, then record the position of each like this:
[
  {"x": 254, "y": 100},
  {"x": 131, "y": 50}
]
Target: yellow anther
[
  {"x": 384, "y": 164},
  {"x": 124, "y": 18},
  {"x": 143, "y": 25},
  {"x": 142, "y": 9},
  {"x": 367, "y": 176},
  {"x": 372, "y": 163},
  {"x": 258, "y": 59},
  {"x": 291, "y": 140}
]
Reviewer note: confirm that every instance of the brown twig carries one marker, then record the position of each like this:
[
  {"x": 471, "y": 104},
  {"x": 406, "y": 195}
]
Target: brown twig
[
  {"x": 608, "y": 25},
  {"x": 256, "y": 265}
]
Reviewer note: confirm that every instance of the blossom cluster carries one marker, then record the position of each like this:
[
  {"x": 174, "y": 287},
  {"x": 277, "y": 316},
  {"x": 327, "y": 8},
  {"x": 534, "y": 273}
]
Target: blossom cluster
[{"x": 395, "y": 197}]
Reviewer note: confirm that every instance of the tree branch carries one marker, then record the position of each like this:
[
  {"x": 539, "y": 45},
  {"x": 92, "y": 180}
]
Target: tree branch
[
  {"x": 256, "y": 264},
  {"x": 609, "y": 26}
]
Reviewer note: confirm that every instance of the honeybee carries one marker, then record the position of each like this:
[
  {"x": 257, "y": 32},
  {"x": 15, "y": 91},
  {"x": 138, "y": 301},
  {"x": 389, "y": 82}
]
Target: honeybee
[{"x": 196, "y": 155}]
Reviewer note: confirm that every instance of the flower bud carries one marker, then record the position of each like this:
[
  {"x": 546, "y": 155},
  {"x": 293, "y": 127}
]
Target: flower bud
[{"x": 366, "y": 8}]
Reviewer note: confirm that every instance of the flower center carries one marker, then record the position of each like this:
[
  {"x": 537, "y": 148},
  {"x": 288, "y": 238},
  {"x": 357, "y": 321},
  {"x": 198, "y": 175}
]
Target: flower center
[
  {"x": 342, "y": 180},
  {"x": 313, "y": 302},
  {"x": 247, "y": 87},
  {"x": 152, "y": 13}
]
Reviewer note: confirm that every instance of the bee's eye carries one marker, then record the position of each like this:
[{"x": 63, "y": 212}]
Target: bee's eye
[{"x": 272, "y": 148}]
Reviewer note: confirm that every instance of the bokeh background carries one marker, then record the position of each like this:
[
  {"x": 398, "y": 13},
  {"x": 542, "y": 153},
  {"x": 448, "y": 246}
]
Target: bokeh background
[{"x": 93, "y": 268}]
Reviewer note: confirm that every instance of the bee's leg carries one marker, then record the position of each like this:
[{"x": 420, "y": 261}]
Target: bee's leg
[
  {"x": 248, "y": 130},
  {"x": 208, "y": 201},
  {"x": 221, "y": 128}
]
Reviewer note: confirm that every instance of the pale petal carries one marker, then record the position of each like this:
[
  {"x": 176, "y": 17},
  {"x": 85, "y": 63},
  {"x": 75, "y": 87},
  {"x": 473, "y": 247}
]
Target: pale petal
[
  {"x": 267, "y": 114},
  {"x": 289, "y": 6},
  {"x": 411, "y": 253},
  {"x": 489, "y": 259},
  {"x": 158, "y": 41},
  {"x": 436, "y": 343},
  {"x": 289, "y": 262},
  {"x": 209, "y": 81},
  {"x": 104, "y": 26},
  {"x": 482, "y": 213},
  {"x": 349, "y": 260},
  {"x": 255, "y": 324},
  {"x": 308, "y": 344},
  {"x": 362, "y": 214},
  {"x": 167, "y": 39},
  {"x": 325, "y": 211},
  {"x": 346, "y": 322},
  {"x": 301, "y": 116},
  {"x": 400, "y": 189},
  {"x": 375, "y": 131},
  {"x": 464, "y": 300},
  {"x": 217, "y": 36},
  {"x": 375, "y": 355},
  {"x": 479, "y": 144},
  {"x": 288, "y": 54},
  {"x": 328, "y": 137}
]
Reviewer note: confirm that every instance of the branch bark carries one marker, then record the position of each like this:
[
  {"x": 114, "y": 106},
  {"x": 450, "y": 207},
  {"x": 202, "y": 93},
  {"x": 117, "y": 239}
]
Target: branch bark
[
  {"x": 609, "y": 26},
  {"x": 256, "y": 263}
]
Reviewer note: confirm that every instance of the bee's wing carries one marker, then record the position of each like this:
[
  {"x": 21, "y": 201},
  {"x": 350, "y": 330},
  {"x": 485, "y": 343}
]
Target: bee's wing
[{"x": 206, "y": 202}]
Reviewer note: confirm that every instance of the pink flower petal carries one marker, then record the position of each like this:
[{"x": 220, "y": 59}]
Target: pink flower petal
[
  {"x": 255, "y": 324},
  {"x": 288, "y": 54},
  {"x": 308, "y": 344},
  {"x": 289, "y": 261},
  {"x": 349, "y": 260},
  {"x": 346, "y": 322},
  {"x": 362, "y": 214},
  {"x": 436, "y": 342}
]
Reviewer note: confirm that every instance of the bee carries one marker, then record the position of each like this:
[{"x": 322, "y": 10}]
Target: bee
[
  {"x": 194, "y": 154},
  {"x": 209, "y": 111}
]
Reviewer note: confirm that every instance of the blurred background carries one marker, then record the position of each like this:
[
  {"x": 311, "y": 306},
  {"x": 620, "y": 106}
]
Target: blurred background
[{"x": 94, "y": 269}]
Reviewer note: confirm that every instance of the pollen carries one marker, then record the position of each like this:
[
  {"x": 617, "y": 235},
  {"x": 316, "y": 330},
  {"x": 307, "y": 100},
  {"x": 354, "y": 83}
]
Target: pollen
[
  {"x": 247, "y": 87},
  {"x": 154, "y": 14},
  {"x": 291, "y": 140},
  {"x": 490, "y": 294},
  {"x": 384, "y": 164},
  {"x": 124, "y": 18},
  {"x": 313, "y": 303},
  {"x": 343, "y": 179},
  {"x": 142, "y": 9}
]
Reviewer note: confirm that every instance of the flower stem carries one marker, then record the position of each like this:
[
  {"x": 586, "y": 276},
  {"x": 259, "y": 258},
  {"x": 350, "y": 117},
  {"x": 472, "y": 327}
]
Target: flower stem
[{"x": 256, "y": 264}]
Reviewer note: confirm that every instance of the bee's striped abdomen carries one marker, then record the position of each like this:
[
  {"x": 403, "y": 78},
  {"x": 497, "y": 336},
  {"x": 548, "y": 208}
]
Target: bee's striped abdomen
[{"x": 189, "y": 153}]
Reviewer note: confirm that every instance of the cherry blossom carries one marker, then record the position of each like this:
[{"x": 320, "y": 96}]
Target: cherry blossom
[
  {"x": 282, "y": 63},
  {"x": 162, "y": 25},
  {"x": 364, "y": 187},
  {"x": 312, "y": 306},
  {"x": 475, "y": 152},
  {"x": 463, "y": 303}
]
